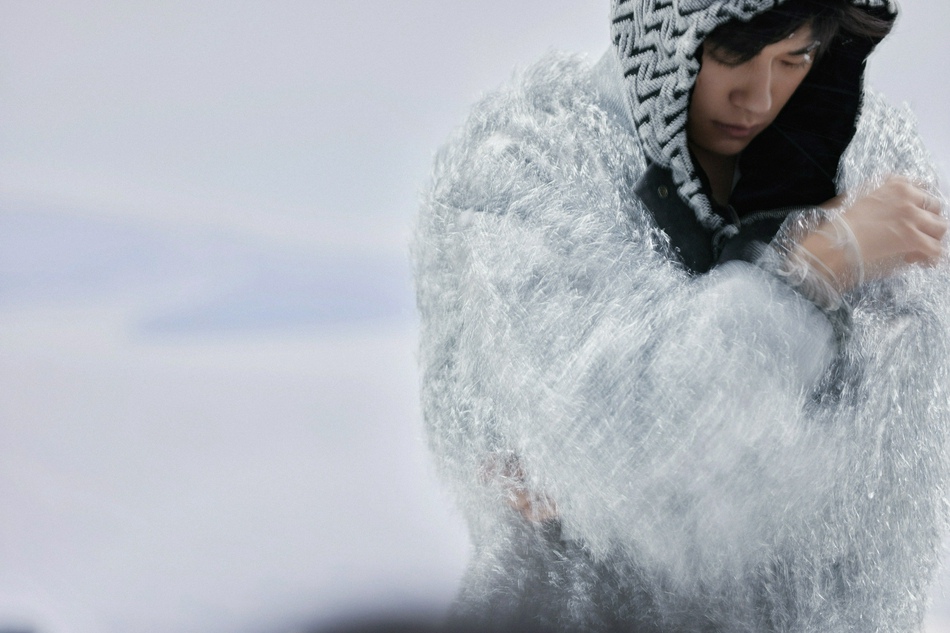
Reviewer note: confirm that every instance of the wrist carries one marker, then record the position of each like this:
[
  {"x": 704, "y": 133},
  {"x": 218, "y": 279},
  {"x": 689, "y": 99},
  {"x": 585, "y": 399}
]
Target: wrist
[
  {"x": 826, "y": 259},
  {"x": 835, "y": 252}
]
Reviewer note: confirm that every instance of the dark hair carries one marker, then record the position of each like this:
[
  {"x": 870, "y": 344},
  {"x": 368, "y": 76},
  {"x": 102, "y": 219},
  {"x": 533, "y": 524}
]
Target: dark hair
[{"x": 741, "y": 41}]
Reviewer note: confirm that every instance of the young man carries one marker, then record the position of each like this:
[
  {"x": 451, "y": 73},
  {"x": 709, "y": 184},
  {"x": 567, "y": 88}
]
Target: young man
[{"x": 685, "y": 331}]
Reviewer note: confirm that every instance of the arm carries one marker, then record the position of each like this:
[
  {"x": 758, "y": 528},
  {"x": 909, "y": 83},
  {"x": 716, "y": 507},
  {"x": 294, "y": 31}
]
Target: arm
[
  {"x": 873, "y": 236},
  {"x": 892, "y": 205}
]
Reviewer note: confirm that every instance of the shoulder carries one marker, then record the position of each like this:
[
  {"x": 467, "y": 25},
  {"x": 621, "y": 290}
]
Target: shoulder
[
  {"x": 880, "y": 118},
  {"x": 886, "y": 142},
  {"x": 555, "y": 125}
]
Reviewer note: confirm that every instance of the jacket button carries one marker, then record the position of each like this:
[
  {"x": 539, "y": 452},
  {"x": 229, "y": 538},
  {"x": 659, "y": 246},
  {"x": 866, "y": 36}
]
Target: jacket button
[{"x": 663, "y": 191}]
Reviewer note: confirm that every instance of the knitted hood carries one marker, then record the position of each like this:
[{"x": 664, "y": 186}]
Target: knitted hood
[{"x": 793, "y": 162}]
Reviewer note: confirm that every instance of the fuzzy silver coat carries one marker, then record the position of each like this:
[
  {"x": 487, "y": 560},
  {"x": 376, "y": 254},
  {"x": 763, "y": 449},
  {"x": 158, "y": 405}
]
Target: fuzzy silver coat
[{"x": 720, "y": 457}]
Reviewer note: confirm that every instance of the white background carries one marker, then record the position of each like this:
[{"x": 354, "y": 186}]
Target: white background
[{"x": 208, "y": 409}]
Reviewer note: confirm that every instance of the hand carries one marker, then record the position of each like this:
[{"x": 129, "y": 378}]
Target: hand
[
  {"x": 897, "y": 224},
  {"x": 534, "y": 507}
]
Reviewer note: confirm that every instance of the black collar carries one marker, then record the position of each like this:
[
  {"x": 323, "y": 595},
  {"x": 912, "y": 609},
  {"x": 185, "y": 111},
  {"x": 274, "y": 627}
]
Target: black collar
[{"x": 693, "y": 243}]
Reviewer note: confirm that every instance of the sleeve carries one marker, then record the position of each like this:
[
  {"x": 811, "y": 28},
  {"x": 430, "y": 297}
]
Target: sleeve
[
  {"x": 657, "y": 411},
  {"x": 701, "y": 426}
]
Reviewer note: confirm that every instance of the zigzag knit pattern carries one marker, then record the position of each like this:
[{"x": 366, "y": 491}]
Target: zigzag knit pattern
[{"x": 657, "y": 41}]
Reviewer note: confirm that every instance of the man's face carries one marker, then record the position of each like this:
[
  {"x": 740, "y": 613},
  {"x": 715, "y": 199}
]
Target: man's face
[{"x": 732, "y": 103}]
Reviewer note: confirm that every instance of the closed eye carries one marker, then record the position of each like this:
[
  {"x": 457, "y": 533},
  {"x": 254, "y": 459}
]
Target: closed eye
[
  {"x": 806, "y": 60},
  {"x": 723, "y": 57}
]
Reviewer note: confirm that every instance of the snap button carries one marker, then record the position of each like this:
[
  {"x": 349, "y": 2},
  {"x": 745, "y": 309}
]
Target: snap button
[{"x": 663, "y": 191}]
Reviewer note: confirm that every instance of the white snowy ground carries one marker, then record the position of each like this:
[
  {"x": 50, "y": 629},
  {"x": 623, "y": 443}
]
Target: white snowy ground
[{"x": 208, "y": 416}]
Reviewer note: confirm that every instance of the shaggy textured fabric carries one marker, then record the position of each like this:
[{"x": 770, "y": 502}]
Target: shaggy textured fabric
[{"x": 721, "y": 456}]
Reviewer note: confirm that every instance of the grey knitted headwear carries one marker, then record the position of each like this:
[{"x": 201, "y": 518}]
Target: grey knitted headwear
[{"x": 657, "y": 43}]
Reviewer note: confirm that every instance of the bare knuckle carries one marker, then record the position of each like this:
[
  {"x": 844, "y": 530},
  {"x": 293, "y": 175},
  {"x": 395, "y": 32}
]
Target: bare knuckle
[
  {"x": 904, "y": 187},
  {"x": 907, "y": 210}
]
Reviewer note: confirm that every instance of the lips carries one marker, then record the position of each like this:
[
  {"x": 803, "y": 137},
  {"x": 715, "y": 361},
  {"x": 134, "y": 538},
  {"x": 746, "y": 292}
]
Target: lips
[{"x": 737, "y": 131}]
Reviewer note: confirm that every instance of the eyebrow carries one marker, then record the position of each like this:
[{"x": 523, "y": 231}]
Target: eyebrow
[{"x": 804, "y": 51}]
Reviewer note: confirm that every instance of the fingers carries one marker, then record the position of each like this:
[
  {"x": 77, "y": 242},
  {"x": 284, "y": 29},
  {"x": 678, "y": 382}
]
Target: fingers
[
  {"x": 930, "y": 203},
  {"x": 916, "y": 192},
  {"x": 508, "y": 471},
  {"x": 927, "y": 250},
  {"x": 929, "y": 223},
  {"x": 931, "y": 227},
  {"x": 534, "y": 508},
  {"x": 928, "y": 226},
  {"x": 899, "y": 223}
]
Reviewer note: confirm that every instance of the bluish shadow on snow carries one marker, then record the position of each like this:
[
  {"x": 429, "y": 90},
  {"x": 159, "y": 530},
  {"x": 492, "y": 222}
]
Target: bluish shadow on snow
[
  {"x": 280, "y": 292},
  {"x": 58, "y": 256},
  {"x": 190, "y": 281}
]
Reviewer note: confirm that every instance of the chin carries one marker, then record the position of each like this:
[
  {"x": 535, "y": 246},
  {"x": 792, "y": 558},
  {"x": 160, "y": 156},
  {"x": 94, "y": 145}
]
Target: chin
[
  {"x": 730, "y": 149},
  {"x": 723, "y": 147}
]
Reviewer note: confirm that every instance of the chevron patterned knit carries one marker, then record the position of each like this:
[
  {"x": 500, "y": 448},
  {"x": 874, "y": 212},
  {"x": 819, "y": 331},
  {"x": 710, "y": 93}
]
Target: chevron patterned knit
[{"x": 657, "y": 42}]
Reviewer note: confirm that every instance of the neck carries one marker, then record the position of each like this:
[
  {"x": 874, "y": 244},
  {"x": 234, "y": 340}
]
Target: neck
[{"x": 720, "y": 170}]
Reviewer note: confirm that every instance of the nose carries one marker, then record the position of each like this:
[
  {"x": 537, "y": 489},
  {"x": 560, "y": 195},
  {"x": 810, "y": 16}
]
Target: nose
[{"x": 753, "y": 92}]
